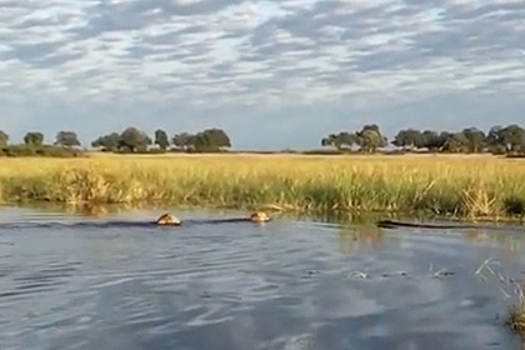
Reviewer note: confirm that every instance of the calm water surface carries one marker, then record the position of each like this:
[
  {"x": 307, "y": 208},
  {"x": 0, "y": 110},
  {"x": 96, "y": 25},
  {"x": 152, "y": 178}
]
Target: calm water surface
[{"x": 78, "y": 282}]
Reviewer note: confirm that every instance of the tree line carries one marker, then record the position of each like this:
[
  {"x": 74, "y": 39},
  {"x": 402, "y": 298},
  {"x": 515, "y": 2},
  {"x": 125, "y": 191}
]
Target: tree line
[
  {"x": 499, "y": 139},
  {"x": 509, "y": 139},
  {"x": 33, "y": 144},
  {"x": 135, "y": 140},
  {"x": 130, "y": 139},
  {"x": 36, "y": 139}
]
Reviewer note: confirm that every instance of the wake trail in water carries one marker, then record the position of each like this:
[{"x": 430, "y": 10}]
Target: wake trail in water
[{"x": 110, "y": 224}]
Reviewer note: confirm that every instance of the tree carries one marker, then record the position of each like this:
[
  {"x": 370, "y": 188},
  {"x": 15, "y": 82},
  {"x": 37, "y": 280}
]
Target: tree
[
  {"x": 514, "y": 138},
  {"x": 210, "y": 139},
  {"x": 331, "y": 140},
  {"x": 340, "y": 140},
  {"x": 161, "y": 139},
  {"x": 476, "y": 139},
  {"x": 134, "y": 139},
  {"x": 181, "y": 140},
  {"x": 494, "y": 139},
  {"x": 207, "y": 140},
  {"x": 443, "y": 138},
  {"x": 456, "y": 143},
  {"x": 370, "y": 138},
  {"x": 409, "y": 139},
  {"x": 34, "y": 139},
  {"x": 348, "y": 139},
  {"x": 508, "y": 139},
  {"x": 4, "y": 138},
  {"x": 109, "y": 142},
  {"x": 67, "y": 139},
  {"x": 432, "y": 140}
]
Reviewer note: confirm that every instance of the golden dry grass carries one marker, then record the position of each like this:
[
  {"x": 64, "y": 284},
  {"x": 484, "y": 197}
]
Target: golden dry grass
[{"x": 464, "y": 186}]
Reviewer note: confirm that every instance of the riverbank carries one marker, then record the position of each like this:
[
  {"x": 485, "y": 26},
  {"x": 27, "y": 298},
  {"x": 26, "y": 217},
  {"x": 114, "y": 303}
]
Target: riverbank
[{"x": 471, "y": 187}]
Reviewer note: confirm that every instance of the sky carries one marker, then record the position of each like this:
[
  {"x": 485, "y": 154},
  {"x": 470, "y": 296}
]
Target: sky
[{"x": 273, "y": 74}]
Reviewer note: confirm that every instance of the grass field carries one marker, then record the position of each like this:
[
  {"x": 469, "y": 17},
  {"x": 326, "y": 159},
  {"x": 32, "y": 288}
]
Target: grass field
[{"x": 462, "y": 186}]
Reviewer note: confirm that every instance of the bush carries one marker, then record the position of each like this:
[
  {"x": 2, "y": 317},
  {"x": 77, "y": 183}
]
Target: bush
[{"x": 41, "y": 151}]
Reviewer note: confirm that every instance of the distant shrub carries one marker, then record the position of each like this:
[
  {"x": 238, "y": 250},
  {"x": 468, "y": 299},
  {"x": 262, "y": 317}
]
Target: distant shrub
[
  {"x": 149, "y": 151},
  {"x": 207, "y": 150},
  {"x": 522, "y": 155},
  {"x": 323, "y": 152},
  {"x": 42, "y": 151}
]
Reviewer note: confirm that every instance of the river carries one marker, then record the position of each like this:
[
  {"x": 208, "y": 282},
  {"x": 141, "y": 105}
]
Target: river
[{"x": 70, "y": 281}]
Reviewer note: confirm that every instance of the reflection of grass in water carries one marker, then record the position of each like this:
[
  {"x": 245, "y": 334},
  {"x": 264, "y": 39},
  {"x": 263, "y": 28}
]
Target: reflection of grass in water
[
  {"x": 355, "y": 238},
  {"x": 340, "y": 218},
  {"x": 513, "y": 244},
  {"x": 470, "y": 187},
  {"x": 356, "y": 230},
  {"x": 88, "y": 209}
]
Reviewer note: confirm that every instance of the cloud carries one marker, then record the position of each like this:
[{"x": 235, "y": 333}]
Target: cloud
[{"x": 266, "y": 57}]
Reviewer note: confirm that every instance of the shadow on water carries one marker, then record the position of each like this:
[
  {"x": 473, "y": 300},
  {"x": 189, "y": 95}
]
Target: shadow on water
[{"x": 73, "y": 280}]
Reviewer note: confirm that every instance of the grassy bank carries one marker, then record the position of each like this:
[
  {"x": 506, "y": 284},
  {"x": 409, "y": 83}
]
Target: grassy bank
[{"x": 462, "y": 186}]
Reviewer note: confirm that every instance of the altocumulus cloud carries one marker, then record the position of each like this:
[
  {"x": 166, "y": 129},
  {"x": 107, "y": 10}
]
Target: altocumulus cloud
[{"x": 273, "y": 73}]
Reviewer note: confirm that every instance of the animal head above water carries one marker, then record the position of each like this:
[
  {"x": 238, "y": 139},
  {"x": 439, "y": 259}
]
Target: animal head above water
[
  {"x": 259, "y": 216},
  {"x": 168, "y": 219}
]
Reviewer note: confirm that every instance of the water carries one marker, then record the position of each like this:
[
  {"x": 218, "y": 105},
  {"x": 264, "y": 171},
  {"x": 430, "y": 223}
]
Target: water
[{"x": 78, "y": 282}]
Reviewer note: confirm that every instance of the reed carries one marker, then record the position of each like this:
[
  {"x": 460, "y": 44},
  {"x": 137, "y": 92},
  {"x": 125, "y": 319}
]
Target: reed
[
  {"x": 511, "y": 289},
  {"x": 516, "y": 315},
  {"x": 473, "y": 187}
]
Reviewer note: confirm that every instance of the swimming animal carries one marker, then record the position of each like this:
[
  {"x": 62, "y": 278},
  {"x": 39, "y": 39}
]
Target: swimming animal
[
  {"x": 168, "y": 219},
  {"x": 259, "y": 216}
]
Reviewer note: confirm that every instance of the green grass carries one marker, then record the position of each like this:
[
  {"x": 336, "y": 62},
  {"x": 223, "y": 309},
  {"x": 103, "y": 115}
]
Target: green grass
[{"x": 474, "y": 187}]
